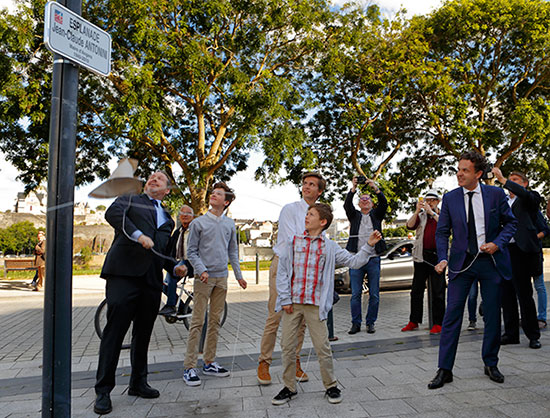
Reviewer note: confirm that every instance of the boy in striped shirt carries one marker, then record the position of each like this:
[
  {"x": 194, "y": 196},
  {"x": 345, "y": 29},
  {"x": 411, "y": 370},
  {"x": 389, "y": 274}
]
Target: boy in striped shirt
[{"x": 305, "y": 287}]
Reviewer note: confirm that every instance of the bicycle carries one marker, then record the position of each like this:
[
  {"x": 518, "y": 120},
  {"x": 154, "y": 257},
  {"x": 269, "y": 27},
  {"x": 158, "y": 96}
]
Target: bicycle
[{"x": 184, "y": 311}]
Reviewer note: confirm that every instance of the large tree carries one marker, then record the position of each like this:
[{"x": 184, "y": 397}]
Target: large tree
[
  {"x": 194, "y": 85},
  {"x": 489, "y": 90},
  {"x": 360, "y": 88}
]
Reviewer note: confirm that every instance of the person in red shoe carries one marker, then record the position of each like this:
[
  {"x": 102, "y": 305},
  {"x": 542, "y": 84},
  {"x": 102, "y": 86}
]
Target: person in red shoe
[{"x": 424, "y": 221}]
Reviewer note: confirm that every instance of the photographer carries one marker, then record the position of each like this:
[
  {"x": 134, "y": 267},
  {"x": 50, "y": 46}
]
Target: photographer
[
  {"x": 362, "y": 223},
  {"x": 424, "y": 221},
  {"x": 525, "y": 256}
]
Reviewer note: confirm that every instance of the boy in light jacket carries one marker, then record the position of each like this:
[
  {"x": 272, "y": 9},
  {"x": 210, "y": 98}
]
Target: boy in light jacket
[{"x": 305, "y": 287}]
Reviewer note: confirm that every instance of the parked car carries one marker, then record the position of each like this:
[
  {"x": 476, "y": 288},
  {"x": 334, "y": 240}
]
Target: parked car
[{"x": 396, "y": 268}]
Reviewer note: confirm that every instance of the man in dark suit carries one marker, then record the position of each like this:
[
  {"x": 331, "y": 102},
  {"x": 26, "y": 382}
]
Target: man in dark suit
[
  {"x": 482, "y": 224},
  {"x": 362, "y": 223},
  {"x": 133, "y": 274},
  {"x": 525, "y": 255},
  {"x": 177, "y": 249}
]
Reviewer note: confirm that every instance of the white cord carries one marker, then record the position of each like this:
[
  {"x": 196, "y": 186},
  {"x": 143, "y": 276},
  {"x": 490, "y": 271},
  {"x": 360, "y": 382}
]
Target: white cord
[{"x": 237, "y": 333}]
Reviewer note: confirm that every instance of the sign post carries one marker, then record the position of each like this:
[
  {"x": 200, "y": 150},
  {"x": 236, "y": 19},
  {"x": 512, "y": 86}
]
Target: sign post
[{"x": 74, "y": 41}]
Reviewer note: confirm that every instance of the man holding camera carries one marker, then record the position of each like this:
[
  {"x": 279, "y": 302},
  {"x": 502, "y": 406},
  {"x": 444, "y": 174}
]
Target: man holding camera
[
  {"x": 362, "y": 223},
  {"x": 525, "y": 256},
  {"x": 424, "y": 221}
]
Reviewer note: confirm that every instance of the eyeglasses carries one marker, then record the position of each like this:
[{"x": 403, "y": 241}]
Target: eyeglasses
[{"x": 365, "y": 198}]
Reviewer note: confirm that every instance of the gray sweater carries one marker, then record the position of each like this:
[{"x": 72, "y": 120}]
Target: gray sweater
[{"x": 212, "y": 241}]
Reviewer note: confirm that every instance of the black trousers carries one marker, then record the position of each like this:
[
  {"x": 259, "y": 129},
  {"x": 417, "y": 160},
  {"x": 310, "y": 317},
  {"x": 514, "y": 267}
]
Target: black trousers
[
  {"x": 520, "y": 289},
  {"x": 128, "y": 299},
  {"x": 422, "y": 273}
]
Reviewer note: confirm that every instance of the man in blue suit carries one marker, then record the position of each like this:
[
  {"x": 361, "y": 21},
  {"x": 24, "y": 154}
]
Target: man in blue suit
[{"x": 482, "y": 224}]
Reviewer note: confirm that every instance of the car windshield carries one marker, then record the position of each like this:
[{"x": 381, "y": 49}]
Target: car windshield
[{"x": 398, "y": 246}]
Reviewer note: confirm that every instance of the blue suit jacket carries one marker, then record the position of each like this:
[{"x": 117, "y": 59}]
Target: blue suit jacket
[{"x": 500, "y": 226}]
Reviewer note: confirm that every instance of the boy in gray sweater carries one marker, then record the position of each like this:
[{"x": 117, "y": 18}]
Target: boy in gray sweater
[{"x": 212, "y": 241}]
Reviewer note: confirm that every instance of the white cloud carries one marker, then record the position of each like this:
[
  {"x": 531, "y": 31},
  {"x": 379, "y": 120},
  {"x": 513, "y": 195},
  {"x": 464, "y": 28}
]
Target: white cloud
[
  {"x": 390, "y": 7},
  {"x": 9, "y": 4}
]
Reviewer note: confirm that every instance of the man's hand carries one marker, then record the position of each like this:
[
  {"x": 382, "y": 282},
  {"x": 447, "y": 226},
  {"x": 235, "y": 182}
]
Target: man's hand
[
  {"x": 372, "y": 185},
  {"x": 204, "y": 277},
  {"x": 489, "y": 248},
  {"x": 374, "y": 238},
  {"x": 498, "y": 174},
  {"x": 242, "y": 283},
  {"x": 181, "y": 270},
  {"x": 146, "y": 242},
  {"x": 441, "y": 266},
  {"x": 288, "y": 308}
]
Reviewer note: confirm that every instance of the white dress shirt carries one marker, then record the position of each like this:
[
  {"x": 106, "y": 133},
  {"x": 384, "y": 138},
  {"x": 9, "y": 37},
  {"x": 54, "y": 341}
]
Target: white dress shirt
[
  {"x": 479, "y": 214},
  {"x": 365, "y": 229},
  {"x": 292, "y": 221}
]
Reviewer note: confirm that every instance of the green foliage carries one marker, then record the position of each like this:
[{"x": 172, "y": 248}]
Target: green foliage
[
  {"x": 400, "y": 231},
  {"x": 84, "y": 257},
  {"x": 194, "y": 83},
  {"x": 243, "y": 236},
  {"x": 19, "y": 238}
]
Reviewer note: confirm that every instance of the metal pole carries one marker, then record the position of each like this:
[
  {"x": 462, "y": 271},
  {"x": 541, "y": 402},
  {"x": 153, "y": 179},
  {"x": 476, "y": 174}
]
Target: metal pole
[
  {"x": 56, "y": 372},
  {"x": 257, "y": 268},
  {"x": 430, "y": 301}
]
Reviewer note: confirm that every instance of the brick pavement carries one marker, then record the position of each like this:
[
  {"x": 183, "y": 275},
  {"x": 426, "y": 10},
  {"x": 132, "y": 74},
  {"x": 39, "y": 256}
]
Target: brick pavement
[{"x": 384, "y": 374}]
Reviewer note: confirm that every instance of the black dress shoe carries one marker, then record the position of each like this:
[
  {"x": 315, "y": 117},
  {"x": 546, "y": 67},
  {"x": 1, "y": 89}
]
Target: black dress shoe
[
  {"x": 355, "y": 328},
  {"x": 103, "y": 404},
  {"x": 168, "y": 310},
  {"x": 505, "y": 340},
  {"x": 443, "y": 376},
  {"x": 534, "y": 344},
  {"x": 494, "y": 374},
  {"x": 370, "y": 328},
  {"x": 144, "y": 391}
]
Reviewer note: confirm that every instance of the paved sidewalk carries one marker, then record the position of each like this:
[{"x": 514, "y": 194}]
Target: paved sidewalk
[{"x": 384, "y": 374}]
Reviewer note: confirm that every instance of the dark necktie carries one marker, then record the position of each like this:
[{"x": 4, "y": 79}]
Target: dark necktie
[
  {"x": 180, "y": 249},
  {"x": 472, "y": 234}
]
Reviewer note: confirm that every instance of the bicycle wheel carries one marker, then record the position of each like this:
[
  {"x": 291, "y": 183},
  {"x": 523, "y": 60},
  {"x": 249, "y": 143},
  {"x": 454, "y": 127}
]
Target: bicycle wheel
[
  {"x": 187, "y": 311},
  {"x": 100, "y": 320}
]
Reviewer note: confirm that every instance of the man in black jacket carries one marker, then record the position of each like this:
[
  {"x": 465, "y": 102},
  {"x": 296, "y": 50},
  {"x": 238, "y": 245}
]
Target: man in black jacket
[
  {"x": 524, "y": 250},
  {"x": 133, "y": 274},
  {"x": 177, "y": 248},
  {"x": 362, "y": 223}
]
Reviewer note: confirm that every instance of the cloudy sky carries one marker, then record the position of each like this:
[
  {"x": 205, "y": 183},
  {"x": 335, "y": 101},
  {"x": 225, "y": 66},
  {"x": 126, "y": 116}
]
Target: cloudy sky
[{"x": 248, "y": 204}]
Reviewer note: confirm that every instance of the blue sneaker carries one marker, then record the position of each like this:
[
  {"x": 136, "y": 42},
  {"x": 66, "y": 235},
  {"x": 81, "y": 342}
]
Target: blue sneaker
[
  {"x": 191, "y": 378},
  {"x": 214, "y": 369}
]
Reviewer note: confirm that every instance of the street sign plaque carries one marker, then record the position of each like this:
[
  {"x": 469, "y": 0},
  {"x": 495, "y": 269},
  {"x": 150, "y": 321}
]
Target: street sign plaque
[{"x": 69, "y": 35}]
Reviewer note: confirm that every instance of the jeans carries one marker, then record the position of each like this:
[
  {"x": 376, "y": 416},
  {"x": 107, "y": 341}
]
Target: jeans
[
  {"x": 472, "y": 301},
  {"x": 541, "y": 297},
  {"x": 171, "y": 283},
  {"x": 372, "y": 271}
]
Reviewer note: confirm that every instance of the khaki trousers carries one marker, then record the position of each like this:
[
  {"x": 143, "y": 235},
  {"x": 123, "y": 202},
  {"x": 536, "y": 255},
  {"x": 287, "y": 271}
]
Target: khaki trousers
[
  {"x": 215, "y": 290},
  {"x": 269, "y": 336},
  {"x": 319, "y": 337}
]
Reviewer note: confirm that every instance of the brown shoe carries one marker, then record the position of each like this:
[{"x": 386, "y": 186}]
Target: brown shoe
[
  {"x": 263, "y": 373},
  {"x": 301, "y": 376}
]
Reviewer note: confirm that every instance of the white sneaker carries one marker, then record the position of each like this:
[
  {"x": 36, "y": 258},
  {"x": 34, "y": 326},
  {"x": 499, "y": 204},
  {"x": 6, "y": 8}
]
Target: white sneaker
[
  {"x": 214, "y": 369},
  {"x": 191, "y": 378}
]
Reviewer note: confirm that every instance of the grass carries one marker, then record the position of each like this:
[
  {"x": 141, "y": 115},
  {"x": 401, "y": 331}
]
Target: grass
[
  {"x": 79, "y": 271},
  {"x": 29, "y": 274}
]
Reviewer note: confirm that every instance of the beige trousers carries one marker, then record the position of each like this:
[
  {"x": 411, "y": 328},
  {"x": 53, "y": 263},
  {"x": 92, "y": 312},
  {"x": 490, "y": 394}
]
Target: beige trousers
[
  {"x": 319, "y": 337},
  {"x": 215, "y": 290},
  {"x": 269, "y": 336}
]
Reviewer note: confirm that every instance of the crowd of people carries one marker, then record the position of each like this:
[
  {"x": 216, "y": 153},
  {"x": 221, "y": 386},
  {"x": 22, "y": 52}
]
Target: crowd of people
[{"x": 496, "y": 244}]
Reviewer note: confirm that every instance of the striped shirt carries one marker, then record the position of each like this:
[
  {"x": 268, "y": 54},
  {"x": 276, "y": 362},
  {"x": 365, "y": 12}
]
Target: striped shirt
[{"x": 309, "y": 262}]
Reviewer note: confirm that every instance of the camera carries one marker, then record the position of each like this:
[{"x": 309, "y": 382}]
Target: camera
[
  {"x": 361, "y": 179},
  {"x": 487, "y": 173}
]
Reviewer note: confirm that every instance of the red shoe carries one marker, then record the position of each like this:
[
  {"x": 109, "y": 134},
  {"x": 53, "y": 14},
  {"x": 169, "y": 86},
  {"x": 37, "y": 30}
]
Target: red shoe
[
  {"x": 411, "y": 326},
  {"x": 436, "y": 329}
]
